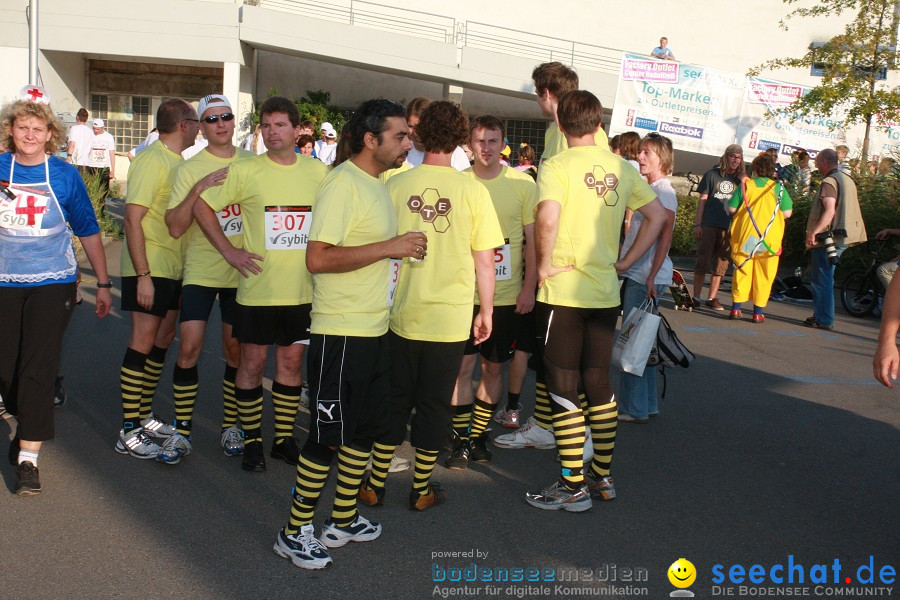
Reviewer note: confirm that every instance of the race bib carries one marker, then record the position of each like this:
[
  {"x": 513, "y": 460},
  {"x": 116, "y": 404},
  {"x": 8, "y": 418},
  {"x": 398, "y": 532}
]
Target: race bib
[
  {"x": 393, "y": 278},
  {"x": 98, "y": 155},
  {"x": 25, "y": 211},
  {"x": 287, "y": 227},
  {"x": 502, "y": 262},
  {"x": 230, "y": 220}
]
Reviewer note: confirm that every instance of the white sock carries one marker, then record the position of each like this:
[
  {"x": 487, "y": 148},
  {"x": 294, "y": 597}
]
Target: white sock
[{"x": 28, "y": 455}]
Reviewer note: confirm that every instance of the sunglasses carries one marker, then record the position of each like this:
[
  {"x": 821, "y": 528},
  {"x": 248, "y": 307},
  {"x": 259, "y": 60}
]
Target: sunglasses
[{"x": 215, "y": 118}]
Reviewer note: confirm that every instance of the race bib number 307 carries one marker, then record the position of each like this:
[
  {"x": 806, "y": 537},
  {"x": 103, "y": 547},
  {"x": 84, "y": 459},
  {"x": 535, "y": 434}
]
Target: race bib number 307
[
  {"x": 287, "y": 227},
  {"x": 230, "y": 220}
]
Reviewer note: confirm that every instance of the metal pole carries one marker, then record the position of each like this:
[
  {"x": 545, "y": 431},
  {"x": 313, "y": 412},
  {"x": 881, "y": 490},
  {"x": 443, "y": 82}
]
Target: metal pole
[{"x": 32, "y": 42}]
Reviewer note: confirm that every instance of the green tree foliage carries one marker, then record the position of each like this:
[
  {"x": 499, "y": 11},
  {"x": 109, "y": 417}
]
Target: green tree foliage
[
  {"x": 313, "y": 106},
  {"x": 851, "y": 64}
]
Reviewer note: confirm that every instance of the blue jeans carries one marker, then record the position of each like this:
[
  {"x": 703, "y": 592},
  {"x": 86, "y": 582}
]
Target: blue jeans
[
  {"x": 638, "y": 395},
  {"x": 822, "y": 283}
]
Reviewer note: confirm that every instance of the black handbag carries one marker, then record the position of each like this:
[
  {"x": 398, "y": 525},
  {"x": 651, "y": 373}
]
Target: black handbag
[{"x": 672, "y": 351}]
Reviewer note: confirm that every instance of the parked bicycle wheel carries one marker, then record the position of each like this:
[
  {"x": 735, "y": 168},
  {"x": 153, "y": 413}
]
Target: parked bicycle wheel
[{"x": 859, "y": 294}]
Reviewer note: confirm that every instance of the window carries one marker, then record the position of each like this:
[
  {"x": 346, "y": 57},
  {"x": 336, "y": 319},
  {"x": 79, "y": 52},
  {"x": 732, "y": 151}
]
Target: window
[
  {"x": 530, "y": 132},
  {"x": 127, "y": 118}
]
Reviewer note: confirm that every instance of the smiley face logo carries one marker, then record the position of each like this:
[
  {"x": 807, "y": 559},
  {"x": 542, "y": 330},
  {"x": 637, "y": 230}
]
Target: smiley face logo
[{"x": 682, "y": 573}]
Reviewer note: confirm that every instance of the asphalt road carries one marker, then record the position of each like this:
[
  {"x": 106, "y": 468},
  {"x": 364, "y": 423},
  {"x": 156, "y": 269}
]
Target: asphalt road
[{"x": 776, "y": 442}]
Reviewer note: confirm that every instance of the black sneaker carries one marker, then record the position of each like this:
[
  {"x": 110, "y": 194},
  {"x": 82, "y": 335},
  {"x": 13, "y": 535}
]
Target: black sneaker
[
  {"x": 452, "y": 440},
  {"x": 459, "y": 456},
  {"x": 254, "y": 457},
  {"x": 27, "y": 481},
  {"x": 14, "y": 451},
  {"x": 60, "y": 395},
  {"x": 478, "y": 449},
  {"x": 287, "y": 450}
]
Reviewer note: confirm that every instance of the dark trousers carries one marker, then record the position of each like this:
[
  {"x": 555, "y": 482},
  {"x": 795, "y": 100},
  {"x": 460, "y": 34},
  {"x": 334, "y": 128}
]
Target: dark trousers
[{"x": 33, "y": 321}]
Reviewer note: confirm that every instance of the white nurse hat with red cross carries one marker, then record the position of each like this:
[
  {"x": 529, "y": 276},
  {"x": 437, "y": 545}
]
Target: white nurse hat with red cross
[{"x": 34, "y": 93}]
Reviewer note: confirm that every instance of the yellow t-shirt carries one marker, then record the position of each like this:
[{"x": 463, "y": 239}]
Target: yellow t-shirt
[
  {"x": 352, "y": 209},
  {"x": 435, "y": 297},
  {"x": 385, "y": 175},
  {"x": 276, "y": 205},
  {"x": 512, "y": 194},
  {"x": 150, "y": 185},
  {"x": 555, "y": 141},
  {"x": 593, "y": 187},
  {"x": 203, "y": 264}
]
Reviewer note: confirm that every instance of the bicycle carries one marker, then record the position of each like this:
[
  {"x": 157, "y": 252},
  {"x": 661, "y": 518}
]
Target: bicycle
[{"x": 862, "y": 291}]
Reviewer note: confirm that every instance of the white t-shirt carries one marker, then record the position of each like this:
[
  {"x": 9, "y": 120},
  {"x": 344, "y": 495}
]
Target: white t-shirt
[
  {"x": 459, "y": 160},
  {"x": 151, "y": 137},
  {"x": 82, "y": 135},
  {"x": 326, "y": 153},
  {"x": 640, "y": 270},
  {"x": 199, "y": 145},
  {"x": 101, "y": 146}
]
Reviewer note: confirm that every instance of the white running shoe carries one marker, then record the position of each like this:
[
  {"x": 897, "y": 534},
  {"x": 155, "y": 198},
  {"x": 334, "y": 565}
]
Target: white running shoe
[
  {"x": 304, "y": 396},
  {"x": 398, "y": 465},
  {"x": 304, "y": 550},
  {"x": 507, "y": 418},
  {"x": 233, "y": 441},
  {"x": 157, "y": 428},
  {"x": 361, "y": 530},
  {"x": 559, "y": 497},
  {"x": 137, "y": 443},
  {"x": 588, "y": 445},
  {"x": 173, "y": 449},
  {"x": 530, "y": 435}
]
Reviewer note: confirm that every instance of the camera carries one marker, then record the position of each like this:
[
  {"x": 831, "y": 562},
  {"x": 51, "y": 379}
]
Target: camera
[{"x": 827, "y": 240}]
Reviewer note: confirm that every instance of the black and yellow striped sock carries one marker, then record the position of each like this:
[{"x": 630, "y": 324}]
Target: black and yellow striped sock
[
  {"x": 229, "y": 401},
  {"x": 542, "y": 413},
  {"x": 583, "y": 401},
  {"x": 152, "y": 370},
  {"x": 461, "y": 417},
  {"x": 311, "y": 478},
  {"x": 568, "y": 427},
  {"x": 481, "y": 416},
  {"x": 381, "y": 463},
  {"x": 131, "y": 378},
  {"x": 351, "y": 468},
  {"x": 285, "y": 401},
  {"x": 184, "y": 389},
  {"x": 425, "y": 460},
  {"x": 250, "y": 407},
  {"x": 603, "y": 420}
]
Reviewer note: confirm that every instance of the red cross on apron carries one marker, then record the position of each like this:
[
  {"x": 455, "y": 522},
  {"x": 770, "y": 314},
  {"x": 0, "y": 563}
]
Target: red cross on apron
[{"x": 30, "y": 209}]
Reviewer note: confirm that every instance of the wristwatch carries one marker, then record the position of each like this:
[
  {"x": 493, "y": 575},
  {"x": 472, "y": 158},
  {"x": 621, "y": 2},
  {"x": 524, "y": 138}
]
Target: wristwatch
[{"x": 104, "y": 286}]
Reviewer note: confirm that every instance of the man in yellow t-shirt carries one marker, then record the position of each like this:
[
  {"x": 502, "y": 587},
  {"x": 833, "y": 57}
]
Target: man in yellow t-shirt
[
  {"x": 512, "y": 194},
  {"x": 276, "y": 192},
  {"x": 551, "y": 81},
  {"x": 151, "y": 277},
  {"x": 581, "y": 200},
  {"x": 353, "y": 254},
  {"x": 433, "y": 304},
  {"x": 206, "y": 277}
]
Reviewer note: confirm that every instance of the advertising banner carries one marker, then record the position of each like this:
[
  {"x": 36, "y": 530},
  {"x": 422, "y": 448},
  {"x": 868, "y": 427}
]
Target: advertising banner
[
  {"x": 785, "y": 130},
  {"x": 697, "y": 107}
]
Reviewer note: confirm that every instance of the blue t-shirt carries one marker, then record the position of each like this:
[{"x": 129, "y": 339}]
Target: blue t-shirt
[
  {"x": 660, "y": 50},
  {"x": 70, "y": 192}
]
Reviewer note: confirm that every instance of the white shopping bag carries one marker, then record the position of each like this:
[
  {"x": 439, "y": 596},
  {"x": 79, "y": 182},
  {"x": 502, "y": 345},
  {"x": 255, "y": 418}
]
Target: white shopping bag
[{"x": 635, "y": 339}]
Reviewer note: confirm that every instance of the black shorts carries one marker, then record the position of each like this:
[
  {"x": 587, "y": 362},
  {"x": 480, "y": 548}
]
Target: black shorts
[
  {"x": 166, "y": 297},
  {"x": 502, "y": 344},
  {"x": 527, "y": 333},
  {"x": 349, "y": 385},
  {"x": 197, "y": 302},
  {"x": 267, "y": 325},
  {"x": 423, "y": 375}
]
